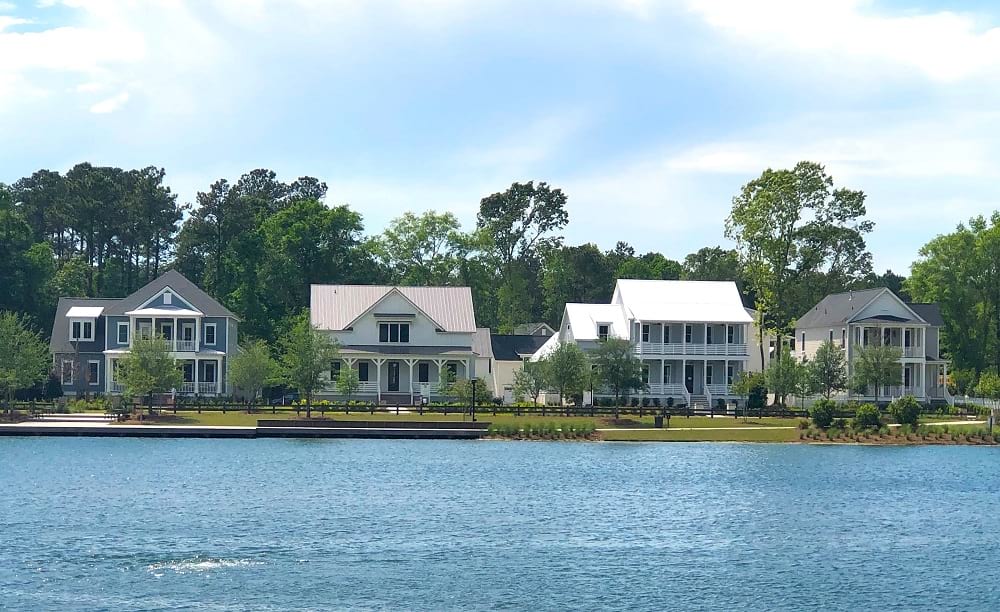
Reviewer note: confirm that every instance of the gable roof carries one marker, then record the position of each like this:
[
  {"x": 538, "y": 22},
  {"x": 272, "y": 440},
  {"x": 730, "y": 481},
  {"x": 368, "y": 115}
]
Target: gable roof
[
  {"x": 59, "y": 340},
  {"x": 525, "y": 329},
  {"x": 687, "y": 301},
  {"x": 515, "y": 347},
  {"x": 335, "y": 307},
  {"x": 584, "y": 318},
  {"x": 840, "y": 308},
  {"x": 188, "y": 291}
]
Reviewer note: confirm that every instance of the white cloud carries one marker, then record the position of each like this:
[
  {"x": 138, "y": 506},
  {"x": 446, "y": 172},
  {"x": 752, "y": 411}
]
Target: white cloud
[
  {"x": 9, "y": 22},
  {"x": 943, "y": 45},
  {"x": 7, "y": 7},
  {"x": 111, "y": 104}
]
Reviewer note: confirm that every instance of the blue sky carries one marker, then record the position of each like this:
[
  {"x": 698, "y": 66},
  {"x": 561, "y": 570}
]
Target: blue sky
[{"x": 650, "y": 115}]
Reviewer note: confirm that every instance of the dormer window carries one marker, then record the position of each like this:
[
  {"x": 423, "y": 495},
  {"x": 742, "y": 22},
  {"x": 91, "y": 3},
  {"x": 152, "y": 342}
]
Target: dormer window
[
  {"x": 394, "y": 333},
  {"x": 603, "y": 329},
  {"x": 81, "y": 331}
]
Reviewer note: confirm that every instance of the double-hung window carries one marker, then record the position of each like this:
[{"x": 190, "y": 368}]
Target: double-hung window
[
  {"x": 67, "y": 371},
  {"x": 708, "y": 335},
  {"x": 209, "y": 334},
  {"x": 731, "y": 334},
  {"x": 603, "y": 329},
  {"x": 122, "y": 332},
  {"x": 394, "y": 332},
  {"x": 82, "y": 331},
  {"x": 709, "y": 372},
  {"x": 645, "y": 374},
  {"x": 645, "y": 332},
  {"x": 93, "y": 370},
  {"x": 688, "y": 333},
  {"x": 363, "y": 371},
  {"x": 335, "y": 370},
  {"x": 423, "y": 372}
]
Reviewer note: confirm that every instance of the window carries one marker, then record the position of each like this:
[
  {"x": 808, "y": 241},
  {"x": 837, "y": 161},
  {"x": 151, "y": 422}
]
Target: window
[
  {"x": 122, "y": 332},
  {"x": 423, "y": 372},
  {"x": 886, "y": 336},
  {"x": 645, "y": 333},
  {"x": 67, "y": 372},
  {"x": 687, "y": 334},
  {"x": 731, "y": 334},
  {"x": 209, "y": 372},
  {"x": 666, "y": 373},
  {"x": 730, "y": 374},
  {"x": 453, "y": 368},
  {"x": 166, "y": 298},
  {"x": 666, "y": 333},
  {"x": 394, "y": 332},
  {"x": 843, "y": 338},
  {"x": 93, "y": 369},
  {"x": 907, "y": 375},
  {"x": 831, "y": 336},
  {"x": 602, "y": 331},
  {"x": 906, "y": 338},
  {"x": 708, "y": 334},
  {"x": 335, "y": 370},
  {"x": 803, "y": 344},
  {"x": 709, "y": 371},
  {"x": 363, "y": 371},
  {"x": 645, "y": 374},
  {"x": 82, "y": 331},
  {"x": 209, "y": 334}
]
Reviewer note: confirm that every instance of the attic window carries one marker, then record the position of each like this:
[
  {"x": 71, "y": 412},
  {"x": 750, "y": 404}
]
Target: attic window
[
  {"x": 602, "y": 331},
  {"x": 167, "y": 297}
]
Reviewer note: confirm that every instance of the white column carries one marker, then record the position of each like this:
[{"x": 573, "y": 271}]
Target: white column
[
  {"x": 173, "y": 334},
  {"x": 131, "y": 329},
  {"x": 197, "y": 334},
  {"x": 196, "y": 389},
  {"x": 410, "y": 363},
  {"x": 218, "y": 376},
  {"x": 725, "y": 370},
  {"x": 378, "y": 378}
]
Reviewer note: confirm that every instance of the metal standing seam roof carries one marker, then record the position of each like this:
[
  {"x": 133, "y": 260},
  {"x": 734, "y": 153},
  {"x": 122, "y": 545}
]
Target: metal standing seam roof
[
  {"x": 584, "y": 319},
  {"x": 336, "y": 307},
  {"x": 682, "y": 301}
]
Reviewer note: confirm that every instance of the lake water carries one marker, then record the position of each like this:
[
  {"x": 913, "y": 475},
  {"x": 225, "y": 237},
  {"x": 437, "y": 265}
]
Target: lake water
[{"x": 126, "y": 524}]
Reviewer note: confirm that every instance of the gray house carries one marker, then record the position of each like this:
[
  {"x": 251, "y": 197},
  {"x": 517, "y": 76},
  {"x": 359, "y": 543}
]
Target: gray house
[
  {"x": 90, "y": 335},
  {"x": 856, "y": 319},
  {"x": 399, "y": 339}
]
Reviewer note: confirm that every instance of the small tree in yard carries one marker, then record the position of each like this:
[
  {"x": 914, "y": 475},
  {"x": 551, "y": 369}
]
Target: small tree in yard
[
  {"x": 783, "y": 376},
  {"x": 306, "y": 355},
  {"x": 529, "y": 381},
  {"x": 566, "y": 370},
  {"x": 828, "y": 369},
  {"x": 446, "y": 381},
  {"x": 905, "y": 410},
  {"x": 618, "y": 368},
  {"x": 875, "y": 367},
  {"x": 462, "y": 390},
  {"x": 348, "y": 382},
  {"x": 988, "y": 388},
  {"x": 251, "y": 369},
  {"x": 148, "y": 368},
  {"x": 24, "y": 357},
  {"x": 741, "y": 386},
  {"x": 822, "y": 413}
]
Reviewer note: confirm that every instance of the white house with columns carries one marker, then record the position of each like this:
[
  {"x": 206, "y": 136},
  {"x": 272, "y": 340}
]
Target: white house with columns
[
  {"x": 854, "y": 320},
  {"x": 693, "y": 337},
  {"x": 399, "y": 339}
]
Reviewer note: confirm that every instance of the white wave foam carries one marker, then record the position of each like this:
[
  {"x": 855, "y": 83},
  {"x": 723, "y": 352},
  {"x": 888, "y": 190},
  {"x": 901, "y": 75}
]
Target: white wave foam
[{"x": 199, "y": 564}]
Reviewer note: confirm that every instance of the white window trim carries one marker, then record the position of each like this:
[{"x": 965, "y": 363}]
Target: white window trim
[
  {"x": 118, "y": 338},
  {"x": 399, "y": 335},
  {"x": 94, "y": 382},
  {"x": 215, "y": 334},
  {"x": 168, "y": 298},
  {"x": 608, "y": 333},
  {"x": 730, "y": 374},
  {"x": 62, "y": 372},
  {"x": 93, "y": 330},
  {"x": 667, "y": 371},
  {"x": 709, "y": 374},
  {"x": 215, "y": 372}
]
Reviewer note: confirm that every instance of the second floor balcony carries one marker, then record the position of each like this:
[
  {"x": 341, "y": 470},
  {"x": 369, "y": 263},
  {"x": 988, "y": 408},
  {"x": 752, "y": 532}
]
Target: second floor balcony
[{"x": 692, "y": 348}]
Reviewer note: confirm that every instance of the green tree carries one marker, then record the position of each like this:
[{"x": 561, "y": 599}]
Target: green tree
[
  {"x": 790, "y": 225},
  {"x": 867, "y": 416},
  {"x": 148, "y": 369},
  {"x": 251, "y": 369},
  {"x": 348, "y": 382},
  {"x": 25, "y": 357},
  {"x": 566, "y": 370},
  {"x": 784, "y": 376},
  {"x": 575, "y": 274},
  {"x": 516, "y": 226},
  {"x": 906, "y": 410},
  {"x": 988, "y": 388},
  {"x": 875, "y": 367},
  {"x": 529, "y": 381},
  {"x": 618, "y": 368},
  {"x": 425, "y": 249},
  {"x": 828, "y": 369},
  {"x": 306, "y": 354},
  {"x": 464, "y": 388}
]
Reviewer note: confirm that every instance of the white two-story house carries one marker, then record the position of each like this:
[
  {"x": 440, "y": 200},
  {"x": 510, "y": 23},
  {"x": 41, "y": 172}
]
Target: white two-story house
[
  {"x": 91, "y": 335},
  {"x": 693, "y": 337},
  {"x": 856, "y": 319},
  {"x": 399, "y": 339}
]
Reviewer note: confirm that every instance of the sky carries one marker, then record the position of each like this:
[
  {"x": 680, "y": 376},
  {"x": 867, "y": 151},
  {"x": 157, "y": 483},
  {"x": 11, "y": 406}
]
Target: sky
[{"x": 649, "y": 114}]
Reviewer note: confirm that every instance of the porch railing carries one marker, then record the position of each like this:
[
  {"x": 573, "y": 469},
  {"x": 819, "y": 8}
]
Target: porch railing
[
  {"x": 717, "y": 389},
  {"x": 206, "y": 388},
  {"x": 184, "y": 346},
  {"x": 690, "y": 348}
]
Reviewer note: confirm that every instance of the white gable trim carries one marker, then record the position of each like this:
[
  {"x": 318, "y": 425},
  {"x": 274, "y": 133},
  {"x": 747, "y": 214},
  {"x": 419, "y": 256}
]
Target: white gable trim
[
  {"x": 895, "y": 297},
  {"x": 174, "y": 293},
  {"x": 393, "y": 291}
]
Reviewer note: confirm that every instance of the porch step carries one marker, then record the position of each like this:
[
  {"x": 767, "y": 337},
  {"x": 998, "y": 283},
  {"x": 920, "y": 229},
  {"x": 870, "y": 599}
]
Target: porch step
[
  {"x": 699, "y": 401},
  {"x": 391, "y": 399},
  {"x": 93, "y": 417}
]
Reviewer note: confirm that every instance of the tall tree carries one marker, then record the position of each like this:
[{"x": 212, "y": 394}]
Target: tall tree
[
  {"x": 306, "y": 354},
  {"x": 790, "y": 224},
  {"x": 518, "y": 224},
  {"x": 251, "y": 369},
  {"x": 425, "y": 249},
  {"x": 784, "y": 377},
  {"x": 575, "y": 274},
  {"x": 618, "y": 368},
  {"x": 566, "y": 370}
]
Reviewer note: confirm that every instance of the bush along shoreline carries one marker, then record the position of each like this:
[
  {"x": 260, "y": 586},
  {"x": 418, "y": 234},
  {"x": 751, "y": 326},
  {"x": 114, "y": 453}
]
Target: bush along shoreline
[{"x": 543, "y": 431}]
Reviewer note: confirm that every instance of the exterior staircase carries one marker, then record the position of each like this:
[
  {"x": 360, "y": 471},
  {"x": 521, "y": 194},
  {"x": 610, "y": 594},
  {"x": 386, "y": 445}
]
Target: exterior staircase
[{"x": 699, "y": 402}]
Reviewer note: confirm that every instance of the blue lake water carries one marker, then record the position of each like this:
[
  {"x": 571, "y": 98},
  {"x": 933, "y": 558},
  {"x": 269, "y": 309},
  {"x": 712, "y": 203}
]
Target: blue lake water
[{"x": 126, "y": 524}]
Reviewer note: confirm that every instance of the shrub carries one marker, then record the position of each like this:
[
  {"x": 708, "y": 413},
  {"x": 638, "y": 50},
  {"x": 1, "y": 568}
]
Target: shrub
[
  {"x": 645, "y": 402},
  {"x": 905, "y": 410},
  {"x": 839, "y": 424},
  {"x": 656, "y": 402},
  {"x": 670, "y": 402},
  {"x": 804, "y": 424},
  {"x": 757, "y": 397},
  {"x": 822, "y": 412},
  {"x": 867, "y": 417}
]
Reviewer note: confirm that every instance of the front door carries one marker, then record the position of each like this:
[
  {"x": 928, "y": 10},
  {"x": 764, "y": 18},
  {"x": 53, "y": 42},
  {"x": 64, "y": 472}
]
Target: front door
[
  {"x": 394, "y": 376},
  {"x": 187, "y": 332},
  {"x": 689, "y": 377}
]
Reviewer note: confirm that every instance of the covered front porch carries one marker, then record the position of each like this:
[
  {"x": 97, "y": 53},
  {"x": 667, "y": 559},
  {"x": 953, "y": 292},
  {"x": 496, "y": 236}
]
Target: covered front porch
[
  {"x": 687, "y": 381},
  {"x": 409, "y": 379},
  {"x": 201, "y": 375}
]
